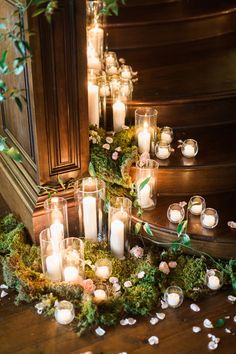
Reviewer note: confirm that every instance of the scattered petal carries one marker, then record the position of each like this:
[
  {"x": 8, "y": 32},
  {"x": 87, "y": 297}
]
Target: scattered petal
[
  {"x": 141, "y": 275},
  {"x": 109, "y": 140},
  {"x": 124, "y": 322},
  {"x": 115, "y": 155},
  {"x": 227, "y": 330},
  {"x": 113, "y": 280},
  {"x": 207, "y": 323},
  {"x": 3, "y": 293},
  {"x": 164, "y": 305},
  {"x": 137, "y": 252},
  {"x": 160, "y": 315},
  {"x": 227, "y": 317},
  {"x": 127, "y": 284},
  {"x": 154, "y": 321},
  {"x": 116, "y": 287},
  {"x": 100, "y": 331},
  {"x": 194, "y": 307},
  {"x": 118, "y": 149},
  {"x": 212, "y": 345},
  {"x": 106, "y": 146},
  {"x": 153, "y": 340},
  {"x": 232, "y": 298},
  {"x": 172, "y": 264},
  {"x": 232, "y": 224},
  {"x": 196, "y": 329},
  {"x": 131, "y": 321},
  {"x": 3, "y": 286}
]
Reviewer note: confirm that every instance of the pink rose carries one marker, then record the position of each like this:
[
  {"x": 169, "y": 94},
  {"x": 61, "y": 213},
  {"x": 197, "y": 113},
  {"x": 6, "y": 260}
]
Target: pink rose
[
  {"x": 89, "y": 286},
  {"x": 143, "y": 158},
  {"x": 164, "y": 268},
  {"x": 115, "y": 155},
  {"x": 137, "y": 252},
  {"x": 172, "y": 264}
]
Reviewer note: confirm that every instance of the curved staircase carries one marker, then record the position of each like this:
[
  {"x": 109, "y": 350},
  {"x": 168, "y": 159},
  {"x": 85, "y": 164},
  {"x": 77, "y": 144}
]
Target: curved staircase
[{"x": 185, "y": 55}]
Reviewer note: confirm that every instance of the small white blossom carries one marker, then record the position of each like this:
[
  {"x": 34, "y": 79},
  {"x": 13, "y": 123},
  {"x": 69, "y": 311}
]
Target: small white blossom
[
  {"x": 100, "y": 331},
  {"x": 153, "y": 340},
  {"x": 3, "y": 286},
  {"x": 207, "y": 323},
  {"x": 127, "y": 284},
  {"x": 160, "y": 315},
  {"x": 116, "y": 287},
  {"x": 3, "y": 293},
  {"x": 141, "y": 275},
  {"x": 154, "y": 321},
  {"x": 196, "y": 329},
  {"x": 113, "y": 280},
  {"x": 194, "y": 307},
  {"x": 131, "y": 321}
]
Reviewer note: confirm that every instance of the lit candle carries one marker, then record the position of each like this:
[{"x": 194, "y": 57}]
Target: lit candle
[
  {"x": 126, "y": 74},
  {"x": 163, "y": 152},
  {"x": 64, "y": 316},
  {"x": 93, "y": 104},
  {"x": 93, "y": 60},
  {"x": 95, "y": 39},
  {"x": 173, "y": 299},
  {"x": 90, "y": 218},
  {"x": 208, "y": 220},
  {"x": 102, "y": 272},
  {"x": 188, "y": 150},
  {"x": 119, "y": 113},
  {"x": 175, "y": 216},
  {"x": 71, "y": 273},
  {"x": 53, "y": 266},
  {"x": 117, "y": 238},
  {"x": 166, "y": 137},
  {"x": 213, "y": 282},
  {"x": 112, "y": 70},
  {"x": 196, "y": 209},
  {"x": 100, "y": 295},
  {"x": 144, "y": 139},
  {"x": 104, "y": 90},
  {"x": 110, "y": 59},
  {"x": 144, "y": 195}
]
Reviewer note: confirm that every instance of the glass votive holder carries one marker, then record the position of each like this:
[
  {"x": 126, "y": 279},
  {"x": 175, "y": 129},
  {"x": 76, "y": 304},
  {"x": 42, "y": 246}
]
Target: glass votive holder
[
  {"x": 112, "y": 69},
  {"x": 174, "y": 296},
  {"x": 162, "y": 150},
  {"x": 126, "y": 89},
  {"x": 119, "y": 114},
  {"x": 72, "y": 259},
  {"x": 214, "y": 279},
  {"x": 90, "y": 196},
  {"x": 197, "y": 205},
  {"x": 147, "y": 193},
  {"x": 175, "y": 213},
  {"x": 167, "y": 135},
  {"x": 119, "y": 219},
  {"x": 103, "y": 268},
  {"x": 64, "y": 312},
  {"x": 56, "y": 217},
  {"x": 126, "y": 72},
  {"x": 209, "y": 218},
  {"x": 100, "y": 294},
  {"x": 110, "y": 58},
  {"x": 115, "y": 85},
  {"x": 189, "y": 148},
  {"x": 146, "y": 129},
  {"x": 50, "y": 256}
]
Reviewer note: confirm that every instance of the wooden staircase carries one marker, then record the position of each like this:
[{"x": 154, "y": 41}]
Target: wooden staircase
[{"x": 185, "y": 55}]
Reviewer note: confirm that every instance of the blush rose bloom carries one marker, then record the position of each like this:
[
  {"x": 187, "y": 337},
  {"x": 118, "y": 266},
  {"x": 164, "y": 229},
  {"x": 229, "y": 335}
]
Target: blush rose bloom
[
  {"x": 137, "y": 252},
  {"x": 164, "y": 268},
  {"x": 89, "y": 286}
]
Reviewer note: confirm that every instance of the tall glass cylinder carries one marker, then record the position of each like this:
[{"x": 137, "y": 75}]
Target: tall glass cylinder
[
  {"x": 119, "y": 220},
  {"x": 56, "y": 218},
  {"x": 146, "y": 183},
  {"x": 146, "y": 129},
  {"x": 50, "y": 256},
  {"x": 95, "y": 32},
  {"x": 90, "y": 195},
  {"x": 72, "y": 259}
]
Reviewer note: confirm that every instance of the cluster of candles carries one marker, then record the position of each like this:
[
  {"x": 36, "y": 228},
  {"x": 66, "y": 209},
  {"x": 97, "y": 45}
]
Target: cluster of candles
[
  {"x": 108, "y": 77},
  {"x": 209, "y": 217}
]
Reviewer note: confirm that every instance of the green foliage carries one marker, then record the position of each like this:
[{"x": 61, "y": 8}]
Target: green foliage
[
  {"x": 12, "y": 152},
  {"x": 87, "y": 315}
]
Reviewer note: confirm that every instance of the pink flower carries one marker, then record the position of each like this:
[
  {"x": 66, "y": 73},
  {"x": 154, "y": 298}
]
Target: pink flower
[
  {"x": 143, "y": 158},
  {"x": 137, "y": 252},
  {"x": 164, "y": 268},
  {"x": 89, "y": 286},
  {"x": 172, "y": 264},
  {"x": 115, "y": 155}
]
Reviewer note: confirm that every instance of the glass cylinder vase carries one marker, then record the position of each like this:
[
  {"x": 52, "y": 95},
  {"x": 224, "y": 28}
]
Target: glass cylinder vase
[
  {"x": 90, "y": 196},
  {"x": 95, "y": 31},
  {"x": 72, "y": 259},
  {"x": 56, "y": 217},
  {"x": 146, "y": 183},
  {"x": 146, "y": 129},
  {"x": 119, "y": 220}
]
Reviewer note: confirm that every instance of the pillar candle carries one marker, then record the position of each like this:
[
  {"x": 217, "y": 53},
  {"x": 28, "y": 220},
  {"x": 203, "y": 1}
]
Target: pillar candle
[
  {"x": 53, "y": 266},
  {"x": 90, "y": 218},
  {"x": 71, "y": 273},
  {"x": 119, "y": 113},
  {"x": 95, "y": 39},
  {"x": 117, "y": 238},
  {"x": 144, "y": 139},
  {"x": 93, "y": 104},
  {"x": 144, "y": 196}
]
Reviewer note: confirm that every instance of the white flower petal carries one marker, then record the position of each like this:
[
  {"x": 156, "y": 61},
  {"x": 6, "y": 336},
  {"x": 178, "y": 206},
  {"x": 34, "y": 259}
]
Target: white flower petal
[
  {"x": 3, "y": 286},
  {"x": 232, "y": 224},
  {"x": 207, "y": 323},
  {"x": 164, "y": 305},
  {"x": 212, "y": 345},
  {"x": 3, "y": 293},
  {"x": 141, "y": 275},
  {"x": 232, "y": 298},
  {"x": 154, "y": 321},
  {"x": 116, "y": 287},
  {"x": 160, "y": 315},
  {"x": 109, "y": 140},
  {"x": 113, "y": 280},
  {"x": 196, "y": 329},
  {"x": 227, "y": 330},
  {"x": 131, "y": 321},
  {"x": 124, "y": 322},
  {"x": 227, "y": 317},
  {"x": 153, "y": 340},
  {"x": 118, "y": 149},
  {"x": 127, "y": 284},
  {"x": 106, "y": 146},
  {"x": 194, "y": 307},
  {"x": 100, "y": 331}
]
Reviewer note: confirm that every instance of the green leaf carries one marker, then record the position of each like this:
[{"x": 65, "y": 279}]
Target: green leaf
[
  {"x": 19, "y": 69},
  {"x": 3, "y": 58},
  {"x": 3, "y": 145},
  {"x": 61, "y": 182},
  {"x": 220, "y": 323},
  {"x": 19, "y": 103},
  {"x": 91, "y": 170},
  {"x": 3, "y": 85},
  {"x": 14, "y": 154},
  {"x": 185, "y": 240},
  {"x": 144, "y": 182},
  {"x": 147, "y": 229},
  {"x": 234, "y": 283},
  {"x": 181, "y": 227},
  {"x": 137, "y": 228},
  {"x": 175, "y": 246},
  {"x": 38, "y": 12}
]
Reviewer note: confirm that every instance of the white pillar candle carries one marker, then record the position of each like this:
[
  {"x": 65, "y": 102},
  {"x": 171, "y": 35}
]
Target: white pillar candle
[
  {"x": 93, "y": 104},
  {"x": 208, "y": 220},
  {"x": 188, "y": 151},
  {"x": 196, "y": 209},
  {"x": 64, "y": 316},
  {"x": 175, "y": 215},
  {"x": 163, "y": 152},
  {"x": 90, "y": 218},
  {"x": 166, "y": 138},
  {"x": 94, "y": 63},
  {"x": 173, "y": 299},
  {"x": 119, "y": 113},
  {"x": 53, "y": 266},
  {"x": 104, "y": 90},
  {"x": 117, "y": 238},
  {"x": 71, "y": 273},
  {"x": 57, "y": 235},
  {"x": 95, "y": 39},
  {"x": 144, "y": 196},
  {"x": 100, "y": 295},
  {"x": 102, "y": 272},
  {"x": 213, "y": 282},
  {"x": 144, "y": 140}
]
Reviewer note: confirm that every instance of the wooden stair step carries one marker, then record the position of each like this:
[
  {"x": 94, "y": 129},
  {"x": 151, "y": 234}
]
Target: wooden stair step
[{"x": 219, "y": 242}]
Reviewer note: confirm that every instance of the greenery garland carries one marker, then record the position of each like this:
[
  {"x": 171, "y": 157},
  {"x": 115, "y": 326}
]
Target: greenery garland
[{"x": 22, "y": 271}]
